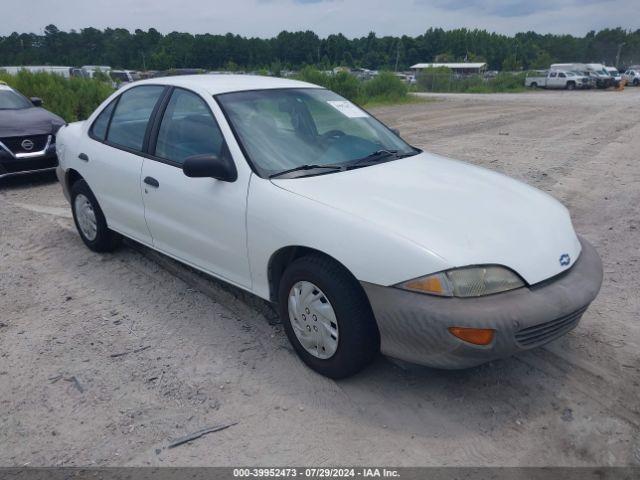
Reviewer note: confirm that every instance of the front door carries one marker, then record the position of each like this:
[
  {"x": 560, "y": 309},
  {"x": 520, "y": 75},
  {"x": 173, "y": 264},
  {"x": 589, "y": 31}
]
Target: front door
[{"x": 200, "y": 221}]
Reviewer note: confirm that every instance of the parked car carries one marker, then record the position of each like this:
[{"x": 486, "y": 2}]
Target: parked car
[
  {"x": 557, "y": 79},
  {"x": 123, "y": 77},
  {"x": 364, "y": 243},
  {"x": 27, "y": 134},
  {"x": 615, "y": 75},
  {"x": 597, "y": 72},
  {"x": 632, "y": 77}
]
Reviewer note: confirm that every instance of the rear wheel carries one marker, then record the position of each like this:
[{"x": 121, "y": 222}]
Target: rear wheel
[
  {"x": 534, "y": 85},
  {"x": 571, "y": 86},
  {"x": 327, "y": 317},
  {"x": 90, "y": 220}
]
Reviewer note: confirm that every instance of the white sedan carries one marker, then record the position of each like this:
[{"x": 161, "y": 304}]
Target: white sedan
[{"x": 365, "y": 243}]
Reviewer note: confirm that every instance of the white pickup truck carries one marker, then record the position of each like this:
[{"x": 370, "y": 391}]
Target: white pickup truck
[{"x": 557, "y": 79}]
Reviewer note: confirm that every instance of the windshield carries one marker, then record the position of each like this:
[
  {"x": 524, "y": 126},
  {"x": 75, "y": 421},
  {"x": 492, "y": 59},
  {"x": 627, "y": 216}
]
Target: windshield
[
  {"x": 10, "y": 100},
  {"x": 284, "y": 129}
]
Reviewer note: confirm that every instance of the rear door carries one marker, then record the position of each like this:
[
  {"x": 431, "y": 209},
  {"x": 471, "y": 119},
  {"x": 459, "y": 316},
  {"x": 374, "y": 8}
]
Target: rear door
[
  {"x": 200, "y": 221},
  {"x": 114, "y": 158}
]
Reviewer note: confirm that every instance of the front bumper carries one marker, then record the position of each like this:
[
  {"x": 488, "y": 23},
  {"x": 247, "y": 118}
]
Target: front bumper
[
  {"x": 414, "y": 327},
  {"x": 20, "y": 164}
]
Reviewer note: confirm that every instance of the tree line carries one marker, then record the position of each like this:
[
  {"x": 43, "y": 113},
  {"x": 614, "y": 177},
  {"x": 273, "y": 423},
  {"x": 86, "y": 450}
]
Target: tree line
[{"x": 151, "y": 50}]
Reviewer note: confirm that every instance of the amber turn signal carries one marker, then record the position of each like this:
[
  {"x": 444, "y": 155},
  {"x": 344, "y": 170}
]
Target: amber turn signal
[{"x": 477, "y": 336}]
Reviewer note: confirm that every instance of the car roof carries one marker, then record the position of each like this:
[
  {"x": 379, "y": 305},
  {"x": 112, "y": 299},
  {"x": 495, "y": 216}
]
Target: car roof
[{"x": 221, "y": 83}]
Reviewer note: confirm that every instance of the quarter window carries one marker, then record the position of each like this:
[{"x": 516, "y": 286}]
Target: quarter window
[
  {"x": 188, "y": 128},
  {"x": 130, "y": 119},
  {"x": 99, "y": 128}
]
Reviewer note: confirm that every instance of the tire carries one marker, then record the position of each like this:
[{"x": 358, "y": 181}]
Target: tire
[
  {"x": 358, "y": 340},
  {"x": 104, "y": 240},
  {"x": 571, "y": 86},
  {"x": 636, "y": 82},
  {"x": 534, "y": 85}
]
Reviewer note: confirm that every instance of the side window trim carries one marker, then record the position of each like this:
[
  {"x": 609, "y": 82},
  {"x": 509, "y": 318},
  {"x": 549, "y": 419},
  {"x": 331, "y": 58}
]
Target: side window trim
[
  {"x": 157, "y": 122},
  {"x": 113, "y": 103},
  {"x": 162, "y": 102}
]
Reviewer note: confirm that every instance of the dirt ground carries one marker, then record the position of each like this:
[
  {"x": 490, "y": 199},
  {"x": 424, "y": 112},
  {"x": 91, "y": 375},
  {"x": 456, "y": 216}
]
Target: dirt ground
[{"x": 197, "y": 355}]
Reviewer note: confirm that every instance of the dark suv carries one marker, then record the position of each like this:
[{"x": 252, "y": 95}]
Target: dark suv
[{"x": 27, "y": 134}]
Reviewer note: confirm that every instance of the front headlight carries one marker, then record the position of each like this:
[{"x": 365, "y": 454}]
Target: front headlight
[{"x": 466, "y": 282}]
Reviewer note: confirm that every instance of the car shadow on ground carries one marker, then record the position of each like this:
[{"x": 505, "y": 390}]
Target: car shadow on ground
[{"x": 26, "y": 181}]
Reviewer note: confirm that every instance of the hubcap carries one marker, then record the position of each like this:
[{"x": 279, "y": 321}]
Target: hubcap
[
  {"x": 86, "y": 217},
  {"x": 313, "y": 320}
]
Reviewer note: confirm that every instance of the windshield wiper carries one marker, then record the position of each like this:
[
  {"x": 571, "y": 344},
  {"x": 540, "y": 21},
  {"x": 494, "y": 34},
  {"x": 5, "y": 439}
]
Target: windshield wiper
[
  {"x": 308, "y": 167},
  {"x": 378, "y": 156}
]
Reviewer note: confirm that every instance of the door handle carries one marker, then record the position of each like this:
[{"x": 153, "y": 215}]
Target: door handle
[
  {"x": 84, "y": 157},
  {"x": 152, "y": 182}
]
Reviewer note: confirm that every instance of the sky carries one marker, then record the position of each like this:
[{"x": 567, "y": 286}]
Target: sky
[{"x": 353, "y": 18}]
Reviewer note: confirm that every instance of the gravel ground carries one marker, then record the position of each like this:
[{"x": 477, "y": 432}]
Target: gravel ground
[{"x": 105, "y": 359}]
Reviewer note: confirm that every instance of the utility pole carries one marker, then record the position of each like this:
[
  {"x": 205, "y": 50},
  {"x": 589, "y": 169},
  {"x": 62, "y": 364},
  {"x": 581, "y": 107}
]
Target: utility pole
[
  {"x": 398, "y": 54},
  {"x": 618, "y": 54}
]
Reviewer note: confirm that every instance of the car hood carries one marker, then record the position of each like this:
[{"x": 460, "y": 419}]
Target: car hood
[
  {"x": 28, "y": 121},
  {"x": 464, "y": 214}
]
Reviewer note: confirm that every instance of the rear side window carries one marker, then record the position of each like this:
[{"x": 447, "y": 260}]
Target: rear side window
[
  {"x": 99, "y": 128},
  {"x": 130, "y": 119},
  {"x": 188, "y": 128}
]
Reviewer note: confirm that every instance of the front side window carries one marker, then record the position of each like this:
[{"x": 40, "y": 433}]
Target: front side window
[
  {"x": 283, "y": 129},
  {"x": 130, "y": 119},
  {"x": 188, "y": 128},
  {"x": 562, "y": 75},
  {"x": 10, "y": 100}
]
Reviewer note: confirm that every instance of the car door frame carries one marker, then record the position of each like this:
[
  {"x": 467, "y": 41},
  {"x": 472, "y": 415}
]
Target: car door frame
[
  {"x": 245, "y": 173},
  {"x": 115, "y": 100}
]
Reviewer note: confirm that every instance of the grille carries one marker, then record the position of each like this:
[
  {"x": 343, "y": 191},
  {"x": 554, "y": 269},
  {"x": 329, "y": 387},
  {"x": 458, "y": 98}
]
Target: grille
[
  {"x": 14, "y": 143},
  {"x": 544, "y": 332}
]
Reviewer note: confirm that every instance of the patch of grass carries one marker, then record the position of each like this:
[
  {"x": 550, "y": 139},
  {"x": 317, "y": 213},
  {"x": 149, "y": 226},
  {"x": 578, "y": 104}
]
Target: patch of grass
[
  {"x": 442, "y": 80},
  {"x": 71, "y": 98}
]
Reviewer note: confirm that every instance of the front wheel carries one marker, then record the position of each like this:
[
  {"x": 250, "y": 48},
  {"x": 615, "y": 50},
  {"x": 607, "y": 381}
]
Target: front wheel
[
  {"x": 90, "y": 220},
  {"x": 327, "y": 317},
  {"x": 636, "y": 82}
]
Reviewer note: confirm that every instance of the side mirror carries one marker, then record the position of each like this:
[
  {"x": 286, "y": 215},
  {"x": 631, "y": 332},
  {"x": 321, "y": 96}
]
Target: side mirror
[
  {"x": 37, "y": 102},
  {"x": 211, "y": 166},
  {"x": 396, "y": 132}
]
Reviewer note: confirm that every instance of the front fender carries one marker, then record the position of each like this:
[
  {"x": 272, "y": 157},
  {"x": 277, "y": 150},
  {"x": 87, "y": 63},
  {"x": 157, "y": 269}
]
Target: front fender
[{"x": 277, "y": 218}]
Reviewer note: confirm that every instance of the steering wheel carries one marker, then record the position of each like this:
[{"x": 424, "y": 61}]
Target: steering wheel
[{"x": 333, "y": 135}]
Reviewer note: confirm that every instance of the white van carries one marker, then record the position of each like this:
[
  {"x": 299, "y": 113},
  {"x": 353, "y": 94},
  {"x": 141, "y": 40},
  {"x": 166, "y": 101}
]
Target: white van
[
  {"x": 65, "y": 72},
  {"x": 91, "y": 70}
]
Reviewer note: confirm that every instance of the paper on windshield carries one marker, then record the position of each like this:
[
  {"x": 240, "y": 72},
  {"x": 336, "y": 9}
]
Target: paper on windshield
[{"x": 347, "y": 108}]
